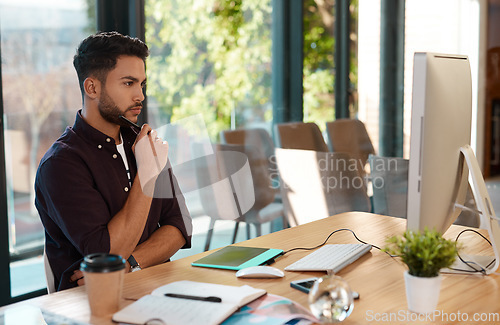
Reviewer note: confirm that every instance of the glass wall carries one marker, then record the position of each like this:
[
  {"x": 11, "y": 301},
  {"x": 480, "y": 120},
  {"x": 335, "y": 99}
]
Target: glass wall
[
  {"x": 210, "y": 58},
  {"x": 214, "y": 58},
  {"x": 41, "y": 97}
]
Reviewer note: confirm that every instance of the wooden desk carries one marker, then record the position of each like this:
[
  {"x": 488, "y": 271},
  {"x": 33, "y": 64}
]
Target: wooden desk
[{"x": 376, "y": 276}]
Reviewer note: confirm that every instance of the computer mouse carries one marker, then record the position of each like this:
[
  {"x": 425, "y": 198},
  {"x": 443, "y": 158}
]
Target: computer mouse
[{"x": 261, "y": 271}]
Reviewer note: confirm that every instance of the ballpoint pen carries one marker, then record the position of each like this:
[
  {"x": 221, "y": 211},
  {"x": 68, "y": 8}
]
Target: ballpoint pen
[{"x": 182, "y": 296}]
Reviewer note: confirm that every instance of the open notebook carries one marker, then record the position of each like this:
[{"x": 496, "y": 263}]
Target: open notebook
[{"x": 187, "y": 311}]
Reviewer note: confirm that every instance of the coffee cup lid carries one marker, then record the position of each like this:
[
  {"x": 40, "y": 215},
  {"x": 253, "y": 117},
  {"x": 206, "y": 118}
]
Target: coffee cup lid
[{"x": 102, "y": 262}]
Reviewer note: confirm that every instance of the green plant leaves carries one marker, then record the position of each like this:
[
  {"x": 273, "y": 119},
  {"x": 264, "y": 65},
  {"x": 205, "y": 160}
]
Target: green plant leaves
[{"x": 424, "y": 252}]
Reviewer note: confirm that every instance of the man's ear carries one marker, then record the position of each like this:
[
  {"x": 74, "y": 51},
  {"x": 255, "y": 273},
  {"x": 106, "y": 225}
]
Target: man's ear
[{"x": 91, "y": 87}]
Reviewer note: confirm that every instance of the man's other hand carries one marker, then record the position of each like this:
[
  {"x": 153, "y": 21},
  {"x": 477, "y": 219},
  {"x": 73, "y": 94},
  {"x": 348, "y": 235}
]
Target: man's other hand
[{"x": 78, "y": 277}]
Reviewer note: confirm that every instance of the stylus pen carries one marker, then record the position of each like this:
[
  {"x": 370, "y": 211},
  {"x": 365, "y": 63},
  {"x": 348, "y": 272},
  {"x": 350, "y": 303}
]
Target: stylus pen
[
  {"x": 134, "y": 125},
  {"x": 209, "y": 298},
  {"x": 136, "y": 128}
]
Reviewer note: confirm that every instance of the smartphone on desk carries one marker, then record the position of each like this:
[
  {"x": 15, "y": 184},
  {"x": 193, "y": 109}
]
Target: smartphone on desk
[{"x": 305, "y": 285}]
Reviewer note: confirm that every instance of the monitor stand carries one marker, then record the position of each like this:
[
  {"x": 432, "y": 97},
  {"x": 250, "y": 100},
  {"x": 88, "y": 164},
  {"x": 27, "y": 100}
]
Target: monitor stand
[{"x": 489, "y": 221}]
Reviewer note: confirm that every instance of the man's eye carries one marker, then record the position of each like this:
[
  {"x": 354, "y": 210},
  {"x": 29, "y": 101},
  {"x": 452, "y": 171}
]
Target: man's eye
[{"x": 128, "y": 83}]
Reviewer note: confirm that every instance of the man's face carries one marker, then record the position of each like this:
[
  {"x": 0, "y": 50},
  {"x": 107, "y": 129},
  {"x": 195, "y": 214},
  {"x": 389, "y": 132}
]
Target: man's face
[{"x": 122, "y": 94}]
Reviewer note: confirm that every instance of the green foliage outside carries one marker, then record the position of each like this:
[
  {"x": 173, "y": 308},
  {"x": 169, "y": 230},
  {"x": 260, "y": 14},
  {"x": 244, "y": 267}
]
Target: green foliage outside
[
  {"x": 319, "y": 60},
  {"x": 319, "y": 65},
  {"x": 210, "y": 58},
  {"x": 213, "y": 57},
  {"x": 424, "y": 252}
]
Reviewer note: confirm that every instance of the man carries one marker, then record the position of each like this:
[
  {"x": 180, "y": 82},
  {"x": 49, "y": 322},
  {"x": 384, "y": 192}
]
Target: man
[{"x": 88, "y": 185}]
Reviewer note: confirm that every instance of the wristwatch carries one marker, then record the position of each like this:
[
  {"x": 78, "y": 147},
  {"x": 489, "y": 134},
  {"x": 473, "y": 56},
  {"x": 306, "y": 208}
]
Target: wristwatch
[{"x": 134, "y": 265}]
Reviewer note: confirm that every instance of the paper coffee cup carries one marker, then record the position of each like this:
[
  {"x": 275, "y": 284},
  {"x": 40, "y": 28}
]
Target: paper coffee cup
[{"x": 103, "y": 275}]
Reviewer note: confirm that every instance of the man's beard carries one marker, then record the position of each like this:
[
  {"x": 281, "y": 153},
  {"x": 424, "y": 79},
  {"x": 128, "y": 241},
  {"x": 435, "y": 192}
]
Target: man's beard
[{"x": 109, "y": 111}]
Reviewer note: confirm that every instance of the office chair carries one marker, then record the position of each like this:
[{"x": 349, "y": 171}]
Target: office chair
[
  {"x": 236, "y": 188},
  {"x": 258, "y": 138},
  {"x": 49, "y": 275},
  {"x": 316, "y": 185},
  {"x": 350, "y": 135},
  {"x": 300, "y": 135}
]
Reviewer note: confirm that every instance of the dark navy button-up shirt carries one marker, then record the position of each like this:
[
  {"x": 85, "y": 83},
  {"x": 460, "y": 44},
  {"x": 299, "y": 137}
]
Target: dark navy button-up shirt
[{"x": 81, "y": 183}]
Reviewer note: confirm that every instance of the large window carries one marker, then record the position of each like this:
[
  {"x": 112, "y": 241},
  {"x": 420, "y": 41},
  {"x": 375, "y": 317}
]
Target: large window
[
  {"x": 319, "y": 69},
  {"x": 211, "y": 57},
  {"x": 457, "y": 32},
  {"x": 427, "y": 29},
  {"x": 320, "y": 24},
  {"x": 40, "y": 98}
]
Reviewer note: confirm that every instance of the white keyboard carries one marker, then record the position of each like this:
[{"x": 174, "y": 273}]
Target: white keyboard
[{"x": 330, "y": 258}]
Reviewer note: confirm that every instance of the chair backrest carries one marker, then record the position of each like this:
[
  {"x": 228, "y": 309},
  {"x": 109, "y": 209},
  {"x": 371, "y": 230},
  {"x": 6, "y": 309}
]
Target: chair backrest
[
  {"x": 261, "y": 177},
  {"x": 255, "y": 137},
  {"x": 389, "y": 176},
  {"x": 49, "y": 275},
  {"x": 316, "y": 185},
  {"x": 233, "y": 179},
  {"x": 224, "y": 182},
  {"x": 300, "y": 135},
  {"x": 350, "y": 135}
]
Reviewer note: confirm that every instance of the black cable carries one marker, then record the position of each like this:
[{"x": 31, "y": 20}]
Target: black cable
[
  {"x": 468, "y": 263},
  {"x": 474, "y": 231},
  {"x": 471, "y": 264},
  {"x": 330, "y": 235}
]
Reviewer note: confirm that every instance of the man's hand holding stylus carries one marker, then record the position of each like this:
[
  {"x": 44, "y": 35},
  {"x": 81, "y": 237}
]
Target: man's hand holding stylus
[{"x": 151, "y": 154}]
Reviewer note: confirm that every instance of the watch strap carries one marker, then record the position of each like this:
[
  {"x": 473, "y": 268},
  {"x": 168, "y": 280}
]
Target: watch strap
[{"x": 132, "y": 261}]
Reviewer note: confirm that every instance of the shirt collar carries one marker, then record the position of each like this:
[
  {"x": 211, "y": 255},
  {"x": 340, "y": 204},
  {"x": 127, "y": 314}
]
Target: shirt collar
[{"x": 95, "y": 136}]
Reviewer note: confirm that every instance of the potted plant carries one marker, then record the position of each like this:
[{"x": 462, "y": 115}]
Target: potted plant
[{"x": 425, "y": 253}]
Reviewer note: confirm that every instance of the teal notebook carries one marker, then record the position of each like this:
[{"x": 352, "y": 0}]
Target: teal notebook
[{"x": 238, "y": 257}]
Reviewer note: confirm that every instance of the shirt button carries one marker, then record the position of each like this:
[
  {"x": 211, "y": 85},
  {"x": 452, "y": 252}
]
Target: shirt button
[
  {"x": 108, "y": 140},
  {"x": 99, "y": 146},
  {"x": 115, "y": 156},
  {"x": 126, "y": 189}
]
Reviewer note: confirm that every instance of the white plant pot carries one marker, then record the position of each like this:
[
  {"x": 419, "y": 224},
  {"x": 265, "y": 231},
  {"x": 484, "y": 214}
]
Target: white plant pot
[{"x": 422, "y": 294}]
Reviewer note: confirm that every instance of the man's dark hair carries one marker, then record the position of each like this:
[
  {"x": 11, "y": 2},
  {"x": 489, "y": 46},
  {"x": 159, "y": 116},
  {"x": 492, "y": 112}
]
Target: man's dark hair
[{"x": 97, "y": 54}]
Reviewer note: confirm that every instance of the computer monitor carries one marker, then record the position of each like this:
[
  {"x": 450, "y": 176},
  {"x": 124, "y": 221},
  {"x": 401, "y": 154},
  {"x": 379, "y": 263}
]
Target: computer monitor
[
  {"x": 440, "y": 152},
  {"x": 440, "y": 126}
]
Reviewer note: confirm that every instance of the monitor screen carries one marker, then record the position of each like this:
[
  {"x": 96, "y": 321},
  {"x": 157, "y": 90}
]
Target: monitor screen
[{"x": 440, "y": 126}]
